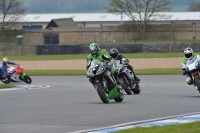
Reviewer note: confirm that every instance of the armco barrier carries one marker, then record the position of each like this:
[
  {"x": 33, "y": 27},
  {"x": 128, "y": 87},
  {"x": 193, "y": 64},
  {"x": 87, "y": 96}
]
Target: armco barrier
[
  {"x": 195, "y": 46},
  {"x": 84, "y": 49},
  {"x": 169, "y": 47},
  {"x": 58, "y": 49},
  {"x": 123, "y": 48},
  {"x": 178, "y": 47}
]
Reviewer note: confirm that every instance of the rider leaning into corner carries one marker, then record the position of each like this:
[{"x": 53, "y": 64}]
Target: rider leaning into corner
[
  {"x": 189, "y": 55},
  {"x": 4, "y": 66},
  {"x": 115, "y": 55},
  {"x": 101, "y": 55}
]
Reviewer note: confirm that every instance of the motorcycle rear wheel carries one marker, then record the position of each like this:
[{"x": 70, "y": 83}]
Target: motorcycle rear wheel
[
  {"x": 197, "y": 82},
  {"x": 5, "y": 80},
  {"x": 101, "y": 94},
  {"x": 136, "y": 90}
]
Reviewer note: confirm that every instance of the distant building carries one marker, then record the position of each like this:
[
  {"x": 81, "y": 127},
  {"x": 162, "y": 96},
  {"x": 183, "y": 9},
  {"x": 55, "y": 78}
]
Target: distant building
[
  {"x": 38, "y": 21},
  {"x": 62, "y": 23}
]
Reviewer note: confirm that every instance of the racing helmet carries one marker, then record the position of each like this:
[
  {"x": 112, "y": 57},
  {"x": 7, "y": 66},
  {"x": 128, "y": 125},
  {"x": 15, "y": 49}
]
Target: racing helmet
[
  {"x": 94, "y": 48},
  {"x": 188, "y": 52},
  {"x": 6, "y": 60},
  {"x": 114, "y": 53}
]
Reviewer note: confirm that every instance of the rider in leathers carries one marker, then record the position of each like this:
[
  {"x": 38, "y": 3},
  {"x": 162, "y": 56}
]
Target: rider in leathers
[
  {"x": 101, "y": 55},
  {"x": 4, "y": 66},
  {"x": 123, "y": 60},
  {"x": 189, "y": 55}
]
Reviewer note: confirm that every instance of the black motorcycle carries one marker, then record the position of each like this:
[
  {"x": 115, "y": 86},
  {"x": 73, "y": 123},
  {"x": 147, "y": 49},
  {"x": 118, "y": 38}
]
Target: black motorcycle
[{"x": 126, "y": 78}]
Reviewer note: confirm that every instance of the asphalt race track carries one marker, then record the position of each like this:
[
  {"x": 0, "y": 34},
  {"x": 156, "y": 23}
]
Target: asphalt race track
[{"x": 72, "y": 104}]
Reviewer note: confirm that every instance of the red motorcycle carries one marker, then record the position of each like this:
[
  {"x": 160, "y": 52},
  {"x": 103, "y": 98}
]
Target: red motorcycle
[{"x": 17, "y": 74}]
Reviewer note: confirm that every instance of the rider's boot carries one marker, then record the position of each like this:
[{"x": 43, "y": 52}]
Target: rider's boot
[
  {"x": 189, "y": 82},
  {"x": 136, "y": 78}
]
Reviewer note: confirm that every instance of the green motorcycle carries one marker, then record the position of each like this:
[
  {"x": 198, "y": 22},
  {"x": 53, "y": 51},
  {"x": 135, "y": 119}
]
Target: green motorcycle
[{"x": 104, "y": 82}]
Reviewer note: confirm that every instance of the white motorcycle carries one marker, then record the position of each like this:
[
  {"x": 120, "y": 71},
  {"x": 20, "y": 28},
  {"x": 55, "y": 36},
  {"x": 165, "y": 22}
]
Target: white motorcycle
[{"x": 193, "y": 68}]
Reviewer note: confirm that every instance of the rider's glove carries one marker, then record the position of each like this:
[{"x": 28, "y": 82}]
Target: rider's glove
[
  {"x": 125, "y": 63},
  {"x": 109, "y": 66},
  {"x": 184, "y": 72},
  {"x": 116, "y": 73}
]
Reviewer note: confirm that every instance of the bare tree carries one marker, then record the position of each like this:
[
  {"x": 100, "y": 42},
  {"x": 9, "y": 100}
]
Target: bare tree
[
  {"x": 194, "y": 6},
  {"x": 140, "y": 12},
  {"x": 11, "y": 12}
]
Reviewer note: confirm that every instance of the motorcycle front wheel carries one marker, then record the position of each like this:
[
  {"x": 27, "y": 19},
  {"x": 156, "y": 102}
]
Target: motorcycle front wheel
[
  {"x": 120, "y": 98},
  {"x": 101, "y": 93},
  {"x": 197, "y": 82},
  {"x": 125, "y": 85},
  {"x": 27, "y": 79}
]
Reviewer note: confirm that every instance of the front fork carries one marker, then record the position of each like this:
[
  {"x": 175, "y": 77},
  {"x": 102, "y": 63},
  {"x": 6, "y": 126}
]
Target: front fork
[
  {"x": 22, "y": 76},
  {"x": 194, "y": 76},
  {"x": 110, "y": 79},
  {"x": 129, "y": 76}
]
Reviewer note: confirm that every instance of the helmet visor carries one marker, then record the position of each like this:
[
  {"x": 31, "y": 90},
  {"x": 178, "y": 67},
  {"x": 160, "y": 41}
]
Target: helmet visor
[
  {"x": 94, "y": 52},
  {"x": 5, "y": 60},
  {"x": 188, "y": 55},
  {"x": 114, "y": 55}
]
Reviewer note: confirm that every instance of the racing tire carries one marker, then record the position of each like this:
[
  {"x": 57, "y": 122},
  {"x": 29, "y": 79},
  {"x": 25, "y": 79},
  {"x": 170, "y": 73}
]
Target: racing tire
[
  {"x": 197, "y": 82},
  {"x": 101, "y": 94},
  {"x": 5, "y": 79},
  {"x": 27, "y": 79},
  {"x": 125, "y": 85},
  {"x": 6, "y": 82},
  {"x": 120, "y": 98},
  {"x": 137, "y": 89}
]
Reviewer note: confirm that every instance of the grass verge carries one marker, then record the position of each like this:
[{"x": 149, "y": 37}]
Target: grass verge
[
  {"x": 157, "y": 41},
  {"x": 83, "y": 72},
  {"x": 83, "y": 56},
  {"x": 182, "y": 128},
  {"x": 3, "y": 86}
]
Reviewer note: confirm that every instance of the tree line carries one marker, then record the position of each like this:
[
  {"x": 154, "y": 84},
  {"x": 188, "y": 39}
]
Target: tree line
[{"x": 67, "y": 6}]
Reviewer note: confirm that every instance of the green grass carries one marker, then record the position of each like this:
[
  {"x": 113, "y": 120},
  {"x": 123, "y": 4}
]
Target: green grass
[
  {"x": 3, "y": 86},
  {"x": 158, "y": 71},
  {"x": 83, "y": 72},
  {"x": 116, "y": 42},
  {"x": 83, "y": 56},
  {"x": 8, "y": 43},
  {"x": 182, "y": 128},
  {"x": 55, "y": 72},
  {"x": 156, "y": 41}
]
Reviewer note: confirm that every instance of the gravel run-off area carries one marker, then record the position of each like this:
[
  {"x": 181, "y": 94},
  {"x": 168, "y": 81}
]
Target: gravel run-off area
[{"x": 140, "y": 63}]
